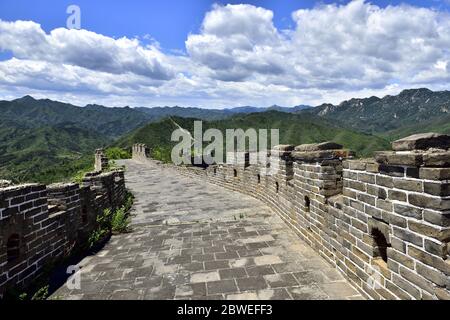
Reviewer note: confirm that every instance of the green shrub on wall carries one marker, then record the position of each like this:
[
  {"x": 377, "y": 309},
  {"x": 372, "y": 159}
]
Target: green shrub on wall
[
  {"x": 162, "y": 154},
  {"x": 116, "y": 153},
  {"x": 110, "y": 221}
]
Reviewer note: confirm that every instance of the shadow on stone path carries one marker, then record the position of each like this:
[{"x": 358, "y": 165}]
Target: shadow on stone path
[{"x": 194, "y": 240}]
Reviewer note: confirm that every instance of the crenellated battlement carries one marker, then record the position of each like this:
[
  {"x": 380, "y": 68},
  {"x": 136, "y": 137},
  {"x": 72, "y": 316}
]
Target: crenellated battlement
[
  {"x": 383, "y": 222},
  {"x": 42, "y": 224},
  {"x": 140, "y": 151},
  {"x": 101, "y": 161}
]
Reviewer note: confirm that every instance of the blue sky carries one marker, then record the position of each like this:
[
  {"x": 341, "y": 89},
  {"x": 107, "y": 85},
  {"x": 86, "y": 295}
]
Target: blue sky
[
  {"x": 167, "y": 21},
  {"x": 252, "y": 54}
]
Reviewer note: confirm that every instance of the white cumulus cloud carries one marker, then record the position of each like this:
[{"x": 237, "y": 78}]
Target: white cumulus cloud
[
  {"x": 239, "y": 57},
  {"x": 27, "y": 40}
]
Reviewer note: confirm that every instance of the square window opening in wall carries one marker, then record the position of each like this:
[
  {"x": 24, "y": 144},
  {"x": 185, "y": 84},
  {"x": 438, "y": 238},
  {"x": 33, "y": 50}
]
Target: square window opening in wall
[
  {"x": 379, "y": 231},
  {"x": 307, "y": 203},
  {"x": 380, "y": 245}
]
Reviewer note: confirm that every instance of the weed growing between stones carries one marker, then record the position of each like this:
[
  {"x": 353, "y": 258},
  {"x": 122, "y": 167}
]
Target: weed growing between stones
[
  {"x": 39, "y": 288},
  {"x": 120, "y": 221},
  {"x": 112, "y": 222},
  {"x": 241, "y": 216},
  {"x": 79, "y": 176},
  {"x": 103, "y": 229},
  {"x": 41, "y": 294}
]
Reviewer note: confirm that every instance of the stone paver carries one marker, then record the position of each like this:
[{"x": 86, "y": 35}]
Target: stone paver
[{"x": 194, "y": 240}]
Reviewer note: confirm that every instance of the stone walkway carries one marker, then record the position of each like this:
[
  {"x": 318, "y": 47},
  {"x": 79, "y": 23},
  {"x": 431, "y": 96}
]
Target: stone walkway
[{"x": 194, "y": 240}]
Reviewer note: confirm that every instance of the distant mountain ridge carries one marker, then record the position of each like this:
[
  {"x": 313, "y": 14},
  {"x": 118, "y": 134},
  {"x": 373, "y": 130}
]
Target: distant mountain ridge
[
  {"x": 376, "y": 115},
  {"x": 294, "y": 129},
  {"x": 111, "y": 122},
  {"x": 157, "y": 113}
]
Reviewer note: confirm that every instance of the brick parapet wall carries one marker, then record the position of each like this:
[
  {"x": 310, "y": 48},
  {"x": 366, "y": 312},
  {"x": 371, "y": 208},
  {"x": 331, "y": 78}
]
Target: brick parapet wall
[
  {"x": 345, "y": 209},
  {"x": 41, "y": 224}
]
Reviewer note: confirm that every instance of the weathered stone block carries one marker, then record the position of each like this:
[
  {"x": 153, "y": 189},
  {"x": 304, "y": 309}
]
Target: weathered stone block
[
  {"x": 407, "y": 286},
  {"x": 398, "y": 244},
  {"x": 416, "y": 279},
  {"x": 357, "y": 185},
  {"x": 384, "y": 205},
  {"x": 409, "y": 185},
  {"x": 349, "y": 193},
  {"x": 394, "y": 219},
  {"x": 357, "y": 165},
  {"x": 401, "y": 294},
  {"x": 373, "y": 212},
  {"x": 385, "y": 181},
  {"x": 393, "y": 266},
  {"x": 436, "y": 159},
  {"x": 360, "y": 254},
  {"x": 408, "y": 236},
  {"x": 365, "y": 198},
  {"x": 367, "y": 178},
  {"x": 438, "y": 218},
  {"x": 389, "y": 158},
  {"x": 310, "y": 156},
  {"x": 436, "y": 248},
  {"x": 359, "y": 225},
  {"x": 429, "y": 231},
  {"x": 442, "y": 294},
  {"x": 397, "y": 195},
  {"x": 377, "y": 191},
  {"x": 430, "y": 260},
  {"x": 437, "y": 189},
  {"x": 412, "y": 172},
  {"x": 25, "y": 206},
  {"x": 318, "y": 146},
  {"x": 408, "y": 211},
  {"x": 425, "y": 201},
  {"x": 434, "y": 173},
  {"x": 422, "y": 141},
  {"x": 350, "y": 175},
  {"x": 372, "y": 167},
  {"x": 393, "y": 171}
]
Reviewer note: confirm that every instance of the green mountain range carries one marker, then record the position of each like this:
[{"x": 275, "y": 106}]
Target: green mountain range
[
  {"x": 109, "y": 122},
  {"x": 46, "y": 153},
  {"x": 157, "y": 113},
  {"x": 294, "y": 129},
  {"x": 46, "y": 141},
  {"x": 378, "y": 115}
]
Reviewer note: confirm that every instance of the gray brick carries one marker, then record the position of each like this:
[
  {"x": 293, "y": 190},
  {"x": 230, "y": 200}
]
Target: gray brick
[{"x": 222, "y": 286}]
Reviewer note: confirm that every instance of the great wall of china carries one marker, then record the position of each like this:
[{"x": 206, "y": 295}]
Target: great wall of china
[
  {"x": 41, "y": 225},
  {"x": 384, "y": 223}
]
